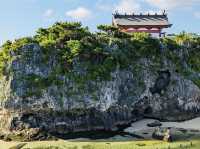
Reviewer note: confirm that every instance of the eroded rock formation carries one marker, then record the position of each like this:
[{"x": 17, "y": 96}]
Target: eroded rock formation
[{"x": 32, "y": 102}]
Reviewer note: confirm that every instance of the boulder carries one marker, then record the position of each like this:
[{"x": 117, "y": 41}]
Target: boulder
[
  {"x": 162, "y": 134},
  {"x": 155, "y": 124}
]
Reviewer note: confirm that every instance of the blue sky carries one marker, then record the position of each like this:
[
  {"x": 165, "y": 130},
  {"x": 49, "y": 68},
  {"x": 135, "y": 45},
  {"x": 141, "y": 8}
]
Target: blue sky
[{"x": 19, "y": 18}]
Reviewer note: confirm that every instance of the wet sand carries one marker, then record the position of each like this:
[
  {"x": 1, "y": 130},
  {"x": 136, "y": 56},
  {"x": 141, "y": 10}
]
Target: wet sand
[{"x": 142, "y": 125}]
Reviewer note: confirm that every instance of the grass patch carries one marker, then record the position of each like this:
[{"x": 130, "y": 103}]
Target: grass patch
[
  {"x": 61, "y": 144},
  {"x": 19, "y": 146}
]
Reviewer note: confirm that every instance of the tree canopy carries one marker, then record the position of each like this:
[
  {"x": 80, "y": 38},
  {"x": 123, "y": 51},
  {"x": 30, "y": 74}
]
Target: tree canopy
[{"x": 101, "y": 52}]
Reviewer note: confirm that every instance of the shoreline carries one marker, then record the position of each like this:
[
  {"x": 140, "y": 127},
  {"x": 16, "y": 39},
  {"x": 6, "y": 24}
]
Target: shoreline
[{"x": 188, "y": 124}]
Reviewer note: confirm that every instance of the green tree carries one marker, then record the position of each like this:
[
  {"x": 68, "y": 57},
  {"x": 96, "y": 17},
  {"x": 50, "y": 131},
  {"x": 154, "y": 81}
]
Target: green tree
[{"x": 110, "y": 30}]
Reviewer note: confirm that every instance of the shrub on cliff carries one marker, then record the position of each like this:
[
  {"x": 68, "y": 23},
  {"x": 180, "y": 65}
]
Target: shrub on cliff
[
  {"x": 102, "y": 52},
  {"x": 9, "y": 50}
]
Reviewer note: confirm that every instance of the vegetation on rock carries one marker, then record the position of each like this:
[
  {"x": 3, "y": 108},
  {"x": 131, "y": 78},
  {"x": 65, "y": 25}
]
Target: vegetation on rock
[{"x": 99, "y": 54}]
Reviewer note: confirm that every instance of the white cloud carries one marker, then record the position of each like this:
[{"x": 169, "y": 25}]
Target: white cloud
[
  {"x": 127, "y": 6},
  {"x": 170, "y": 4},
  {"x": 197, "y": 14},
  {"x": 79, "y": 13},
  {"x": 104, "y": 5},
  {"x": 49, "y": 13}
]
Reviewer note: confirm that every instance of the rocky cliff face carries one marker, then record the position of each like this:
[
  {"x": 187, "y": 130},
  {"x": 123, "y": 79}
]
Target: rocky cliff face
[
  {"x": 130, "y": 94},
  {"x": 35, "y": 99}
]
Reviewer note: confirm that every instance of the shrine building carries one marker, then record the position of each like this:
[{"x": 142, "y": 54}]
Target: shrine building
[{"x": 149, "y": 23}]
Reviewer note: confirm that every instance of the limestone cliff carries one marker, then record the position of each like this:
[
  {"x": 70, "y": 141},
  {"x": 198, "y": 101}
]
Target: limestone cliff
[{"x": 38, "y": 95}]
